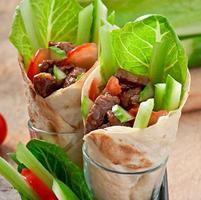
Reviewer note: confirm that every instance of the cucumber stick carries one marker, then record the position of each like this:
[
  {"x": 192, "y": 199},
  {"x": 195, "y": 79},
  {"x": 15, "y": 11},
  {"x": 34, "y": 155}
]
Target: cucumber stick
[
  {"x": 121, "y": 114},
  {"x": 159, "y": 95},
  {"x": 85, "y": 25},
  {"x": 16, "y": 180},
  {"x": 28, "y": 159},
  {"x": 59, "y": 75},
  {"x": 100, "y": 16},
  {"x": 147, "y": 92},
  {"x": 85, "y": 106},
  {"x": 172, "y": 94},
  {"x": 144, "y": 114},
  {"x": 62, "y": 191}
]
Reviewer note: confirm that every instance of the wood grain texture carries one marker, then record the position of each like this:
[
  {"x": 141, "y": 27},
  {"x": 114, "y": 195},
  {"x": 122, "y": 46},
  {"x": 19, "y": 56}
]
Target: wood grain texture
[{"x": 184, "y": 167}]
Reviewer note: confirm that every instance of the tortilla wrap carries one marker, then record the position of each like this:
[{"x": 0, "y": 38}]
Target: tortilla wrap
[
  {"x": 59, "y": 112},
  {"x": 128, "y": 149}
]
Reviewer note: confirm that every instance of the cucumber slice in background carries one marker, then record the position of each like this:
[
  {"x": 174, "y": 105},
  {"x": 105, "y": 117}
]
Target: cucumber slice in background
[
  {"x": 147, "y": 92},
  {"x": 100, "y": 16},
  {"x": 85, "y": 106},
  {"x": 108, "y": 63},
  {"x": 16, "y": 180},
  {"x": 144, "y": 114},
  {"x": 85, "y": 25},
  {"x": 159, "y": 95},
  {"x": 59, "y": 75},
  {"x": 121, "y": 114},
  {"x": 62, "y": 191},
  {"x": 172, "y": 96},
  {"x": 30, "y": 161}
]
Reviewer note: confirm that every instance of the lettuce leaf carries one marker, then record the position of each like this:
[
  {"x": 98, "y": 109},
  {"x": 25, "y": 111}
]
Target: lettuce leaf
[
  {"x": 133, "y": 46},
  {"x": 36, "y": 22}
]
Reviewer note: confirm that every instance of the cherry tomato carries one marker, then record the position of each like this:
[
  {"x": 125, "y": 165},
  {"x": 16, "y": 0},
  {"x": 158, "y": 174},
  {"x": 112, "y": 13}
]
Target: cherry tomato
[
  {"x": 113, "y": 86},
  {"x": 93, "y": 91},
  {"x": 38, "y": 185},
  {"x": 155, "y": 116},
  {"x": 41, "y": 54},
  {"x": 83, "y": 56},
  {"x": 3, "y": 129}
]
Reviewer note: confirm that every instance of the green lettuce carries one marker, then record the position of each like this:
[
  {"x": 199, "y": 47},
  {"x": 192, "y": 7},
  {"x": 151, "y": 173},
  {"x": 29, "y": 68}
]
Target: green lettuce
[
  {"x": 36, "y": 22},
  {"x": 133, "y": 47}
]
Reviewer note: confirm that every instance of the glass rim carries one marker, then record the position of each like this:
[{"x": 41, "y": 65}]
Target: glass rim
[
  {"x": 139, "y": 172},
  {"x": 43, "y": 132}
]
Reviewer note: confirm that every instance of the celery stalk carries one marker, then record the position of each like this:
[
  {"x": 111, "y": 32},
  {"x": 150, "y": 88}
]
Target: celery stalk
[
  {"x": 172, "y": 94},
  {"x": 29, "y": 160},
  {"x": 159, "y": 95},
  {"x": 144, "y": 114},
  {"x": 16, "y": 180},
  {"x": 85, "y": 24}
]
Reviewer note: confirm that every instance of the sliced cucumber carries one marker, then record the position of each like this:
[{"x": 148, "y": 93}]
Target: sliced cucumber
[
  {"x": 111, "y": 17},
  {"x": 85, "y": 25},
  {"x": 57, "y": 53},
  {"x": 29, "y": 160},
  {"x": 100, "y": 15},
  {"x": 62, "y": 191},
  {"x": 121, "y": 114},
  {"x": 147, "y": 92},
  {"x": 59, "y": 75},
  {"x": 144, "y": 114},
  {"x": 172, "y": 95},
  {"x": 85, "y": 106},
  {"x": 16, "y": 180},
  {"x": 159, "y": 95},
  {"x": 108, "y": 63}
]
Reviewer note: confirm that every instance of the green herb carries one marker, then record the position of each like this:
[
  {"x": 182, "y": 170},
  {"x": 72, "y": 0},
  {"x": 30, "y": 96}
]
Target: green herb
[
  {"x": 147, "y": 92},
  {"x": 57, "y": 53},
  {"x": 16, "y": 180},
  {"x": 85, "y": 25},
  {"x": 121, "y": 114},
  {"x": 144, "y": 114},
  {"x": 62, "y": 191},
  {"x": 134, "y": 44},
  {"x": 38, "y": 22},
  {"x": 56, "y": 161}
]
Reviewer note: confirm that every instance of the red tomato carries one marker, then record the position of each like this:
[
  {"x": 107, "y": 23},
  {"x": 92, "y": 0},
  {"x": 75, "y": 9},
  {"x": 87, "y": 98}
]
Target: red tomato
[
  {"x": 93, "y": 91},
  {"x": 38, "y": 185},
  {"x": 41, "y": 54},
  {"x": 83, "y": 56},
  {"x": 133, "y": 111},
  {"x": 3, "y": 129},
  {"x": 155, "y": 116},
  {"x": 113, "y": 86}
]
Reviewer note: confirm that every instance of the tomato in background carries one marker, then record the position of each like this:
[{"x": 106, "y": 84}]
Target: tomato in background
[
  {"x": 38, "y": 185},
  {"x": 3, "y": 129}
]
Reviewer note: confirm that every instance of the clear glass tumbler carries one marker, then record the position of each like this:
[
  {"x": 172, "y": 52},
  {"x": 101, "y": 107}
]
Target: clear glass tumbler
[
  {"x": 108, "y": 184},
  {"x": 70, "y": 142}
]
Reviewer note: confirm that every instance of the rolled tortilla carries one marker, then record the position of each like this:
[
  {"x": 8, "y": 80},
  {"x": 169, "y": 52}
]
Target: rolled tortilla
[
  {"x": 59, "y": 112},
  {"x": 128, "y": 149}
]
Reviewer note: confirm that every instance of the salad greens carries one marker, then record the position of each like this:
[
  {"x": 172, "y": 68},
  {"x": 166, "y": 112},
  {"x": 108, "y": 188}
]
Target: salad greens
[
  {"x": 134, "y": 43},
  {"x": 38, "y": 22},
  {"x": 55, "y": 160}
]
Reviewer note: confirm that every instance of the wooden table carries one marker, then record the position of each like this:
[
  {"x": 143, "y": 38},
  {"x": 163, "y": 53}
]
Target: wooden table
[{"x": 184, "y": 167}]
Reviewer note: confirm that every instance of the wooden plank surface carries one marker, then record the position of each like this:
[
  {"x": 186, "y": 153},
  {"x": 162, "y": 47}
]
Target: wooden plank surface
[{"x": 184, "y": 167}]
